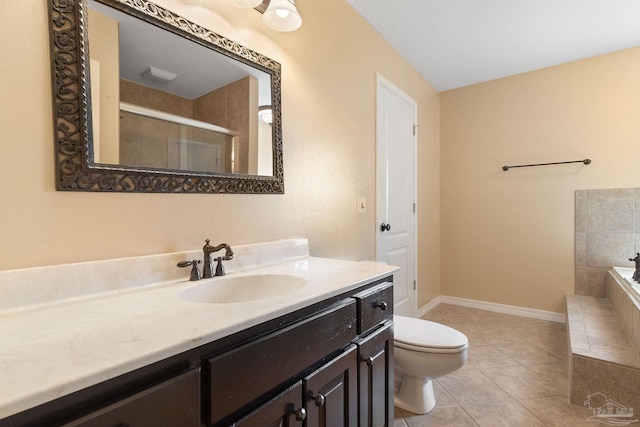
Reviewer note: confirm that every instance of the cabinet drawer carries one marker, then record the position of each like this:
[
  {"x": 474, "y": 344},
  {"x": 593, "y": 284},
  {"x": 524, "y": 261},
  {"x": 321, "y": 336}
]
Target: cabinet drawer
[
  {"x": 238, "y": 377},
  {"x": 173, "y": 403},
  {"x": 375, "y": 305}
]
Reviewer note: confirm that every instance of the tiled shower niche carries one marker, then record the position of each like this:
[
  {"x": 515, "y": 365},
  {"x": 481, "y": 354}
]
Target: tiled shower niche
[{"x": 607, "y": 234}]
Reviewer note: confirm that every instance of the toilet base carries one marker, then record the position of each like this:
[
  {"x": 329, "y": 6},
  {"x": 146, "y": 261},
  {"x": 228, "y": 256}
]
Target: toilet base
[{"x": 415, "y": 395}]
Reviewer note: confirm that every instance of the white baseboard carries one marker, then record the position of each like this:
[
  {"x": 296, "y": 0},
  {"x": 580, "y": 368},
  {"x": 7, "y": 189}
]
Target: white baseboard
[
  {"x": 426, "y": 308},
  {"x": 492, "y": 306}
]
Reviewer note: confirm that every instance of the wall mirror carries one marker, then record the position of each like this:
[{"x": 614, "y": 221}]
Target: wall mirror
[{"x": 147, "y": 101}]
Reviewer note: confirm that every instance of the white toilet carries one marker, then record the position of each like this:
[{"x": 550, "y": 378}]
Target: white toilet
[{"x": 423, "y": 351}]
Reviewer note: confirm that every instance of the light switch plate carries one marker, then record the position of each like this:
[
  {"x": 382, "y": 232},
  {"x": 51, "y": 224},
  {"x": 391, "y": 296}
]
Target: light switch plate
[{"x": 361, "y": 205}]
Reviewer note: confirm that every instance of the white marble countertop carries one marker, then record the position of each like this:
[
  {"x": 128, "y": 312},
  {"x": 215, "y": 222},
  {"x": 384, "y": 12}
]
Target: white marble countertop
[{"x": 52, "y": 349}]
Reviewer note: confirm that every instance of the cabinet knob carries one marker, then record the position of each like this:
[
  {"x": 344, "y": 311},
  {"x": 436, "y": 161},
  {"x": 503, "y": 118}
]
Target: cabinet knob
[
  {"x": 319, "y": 399},
  {"x": 300, "y": 414},
  {"x": 382, "y": 305}
]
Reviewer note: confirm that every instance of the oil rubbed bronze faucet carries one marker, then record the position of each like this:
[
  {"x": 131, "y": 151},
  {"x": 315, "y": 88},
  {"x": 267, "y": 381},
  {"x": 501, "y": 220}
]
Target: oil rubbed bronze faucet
[
  {"x": 207, "y": 270},
  {"x": 636, "y": 274}
]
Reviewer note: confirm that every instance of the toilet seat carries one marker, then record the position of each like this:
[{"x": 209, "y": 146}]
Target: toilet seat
[{"x": 427, "y": 337}]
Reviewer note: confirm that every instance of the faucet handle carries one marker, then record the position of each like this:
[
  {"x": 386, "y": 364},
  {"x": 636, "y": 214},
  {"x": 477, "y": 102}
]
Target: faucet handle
[
  {"x": 220, "y": 267},
  {"x": 195, "y": 271}
]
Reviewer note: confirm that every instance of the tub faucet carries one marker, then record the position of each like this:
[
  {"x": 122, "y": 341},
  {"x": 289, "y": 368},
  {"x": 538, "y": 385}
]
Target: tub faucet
[
  {"x": 207, "y": 269},
  {"x": 636, "y": 274}
]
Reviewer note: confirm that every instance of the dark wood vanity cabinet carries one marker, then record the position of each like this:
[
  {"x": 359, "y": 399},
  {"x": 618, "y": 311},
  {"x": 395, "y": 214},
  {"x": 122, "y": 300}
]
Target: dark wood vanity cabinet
[
  {"x": 327, "y": 397},
  {"x": 172, "y": 403},
  {"x": 326, "y": 365},
  {"x": 331, "y": 392},
  {"x": 375, "y": 378},
  {"x": 375, "y": 306},
  {"x": 375, "y": 355},
  {"x": 343, "y": 354},
  {"x": 283, "y": 410},
  {"x": 235, "y": 379}
]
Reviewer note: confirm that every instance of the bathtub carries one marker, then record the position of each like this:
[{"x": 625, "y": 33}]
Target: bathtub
[{"x": 626, "y": 274}]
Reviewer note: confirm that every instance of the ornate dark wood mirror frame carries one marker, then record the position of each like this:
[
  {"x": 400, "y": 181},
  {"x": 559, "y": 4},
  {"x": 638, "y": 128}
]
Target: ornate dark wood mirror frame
[{"x": 75, "y": 169}]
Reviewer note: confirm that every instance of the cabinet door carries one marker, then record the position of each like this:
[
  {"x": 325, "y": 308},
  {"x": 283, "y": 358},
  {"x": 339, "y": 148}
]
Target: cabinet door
[
  {"x": 331, "y": 392},
  {"x": 375, "y": 378},
  {"x": 173, "y": 403},
  {"x": 284, "y": 410}
]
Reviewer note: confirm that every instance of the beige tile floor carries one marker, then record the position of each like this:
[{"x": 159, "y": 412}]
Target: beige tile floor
[{"x": 516, "y": 375}]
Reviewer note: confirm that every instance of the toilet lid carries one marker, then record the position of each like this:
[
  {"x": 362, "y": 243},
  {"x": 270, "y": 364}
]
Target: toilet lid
[{"x": 423, "y": 335}]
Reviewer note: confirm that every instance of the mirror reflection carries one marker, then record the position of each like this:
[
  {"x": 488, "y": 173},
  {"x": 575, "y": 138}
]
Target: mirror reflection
[
  {"x": 173, "y": 123},
  {"x": 162, "y": 101}
]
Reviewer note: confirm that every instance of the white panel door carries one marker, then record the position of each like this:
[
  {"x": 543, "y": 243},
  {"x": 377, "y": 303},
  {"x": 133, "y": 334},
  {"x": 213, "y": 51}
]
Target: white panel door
[{"x": 395, "y": 205}]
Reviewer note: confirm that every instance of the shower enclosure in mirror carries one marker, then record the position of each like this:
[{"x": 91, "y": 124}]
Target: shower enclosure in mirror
[{"x": 147, "y": 101}]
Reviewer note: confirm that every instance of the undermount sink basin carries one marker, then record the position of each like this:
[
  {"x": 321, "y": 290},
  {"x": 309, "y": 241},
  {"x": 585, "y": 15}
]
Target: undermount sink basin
[{"x": 225, "y": 290}]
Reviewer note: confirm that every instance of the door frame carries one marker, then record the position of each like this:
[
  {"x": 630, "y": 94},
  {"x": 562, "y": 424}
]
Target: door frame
[{"x": 381, "y": 81}]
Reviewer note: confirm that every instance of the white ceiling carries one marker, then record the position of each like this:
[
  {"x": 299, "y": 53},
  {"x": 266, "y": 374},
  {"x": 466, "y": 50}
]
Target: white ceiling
[
  {"x": 200, "y": 70},
  {"x": 455, "y": 43}
]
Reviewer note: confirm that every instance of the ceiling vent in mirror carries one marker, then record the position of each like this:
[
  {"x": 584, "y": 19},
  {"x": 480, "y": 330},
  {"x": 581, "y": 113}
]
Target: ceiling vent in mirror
[{"x": 158, "y": 75}]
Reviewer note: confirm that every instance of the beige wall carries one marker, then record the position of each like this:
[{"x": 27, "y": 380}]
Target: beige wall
[
  {"x": 104, "y": 50},
  {"x": 507, "y": 237},
  {"x": 328, "y": 83}
]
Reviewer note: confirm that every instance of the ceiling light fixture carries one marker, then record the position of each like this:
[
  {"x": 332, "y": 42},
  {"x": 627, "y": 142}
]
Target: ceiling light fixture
[
  {"x": 266, "y": 114},
  {"x": 247, "y": 4},
  {"x": 282, "y": 15}
]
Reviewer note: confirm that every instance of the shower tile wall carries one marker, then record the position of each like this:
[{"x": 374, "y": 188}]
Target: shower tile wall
[{"x": 607, "y": 234}]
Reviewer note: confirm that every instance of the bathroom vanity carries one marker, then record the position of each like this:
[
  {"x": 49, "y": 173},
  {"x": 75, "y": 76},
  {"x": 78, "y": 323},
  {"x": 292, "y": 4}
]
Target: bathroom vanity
[{"x": 318, "y": 356}]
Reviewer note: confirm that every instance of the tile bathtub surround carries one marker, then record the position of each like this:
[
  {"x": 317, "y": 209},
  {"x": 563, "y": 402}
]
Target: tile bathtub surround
[
  {"x": 596, "y": 332},
  {"x": 607, "y": 230},
  {"x": 29, "y": 286},
  {"x": 618, "y": 383},
  {"x": 602, "y": 359},
  {"x": 516, "y": 375}
]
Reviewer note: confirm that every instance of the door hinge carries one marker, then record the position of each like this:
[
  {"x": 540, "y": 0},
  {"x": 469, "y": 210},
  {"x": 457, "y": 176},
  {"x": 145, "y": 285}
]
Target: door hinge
[
  {"x": 414, "y": 208},
  {"x": 414, "y": 285},
  {"x": 415, "y": 129}
]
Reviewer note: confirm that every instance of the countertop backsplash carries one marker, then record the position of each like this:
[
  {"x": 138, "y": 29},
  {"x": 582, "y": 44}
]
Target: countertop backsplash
[{"x": 42, "y": 285}]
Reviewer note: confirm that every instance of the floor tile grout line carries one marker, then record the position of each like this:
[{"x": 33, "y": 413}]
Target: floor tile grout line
[
  {"x": 537, "y": 398},
  {"x": 469, "y": 415},
  {"x": 534, "y": 374},
  {"x": 447, "y": 393},
  {"x": 515, "y": 400}
]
